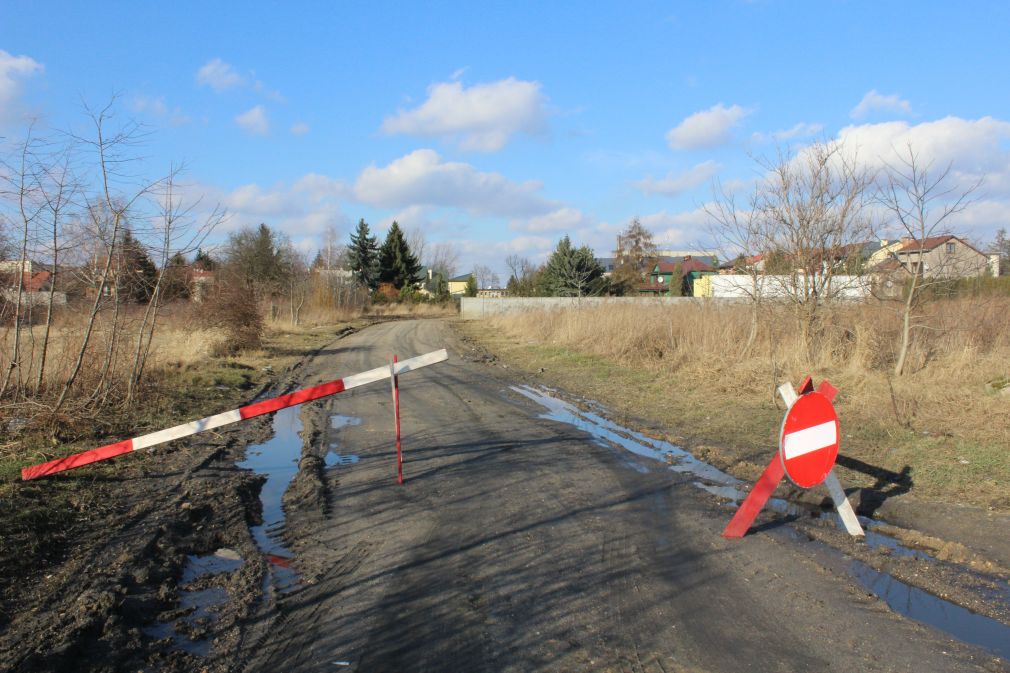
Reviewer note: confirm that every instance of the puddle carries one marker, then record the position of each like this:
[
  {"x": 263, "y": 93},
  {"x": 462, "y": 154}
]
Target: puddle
[
  {"x": 709, "y": 478},
  {"x": 202, "y": 604},
  {"x": 938, "y": 613},
  {"x": 337, "y": 421},
  {"x": 221, "y": 561},
  {"x": 902, "y": 598},
  {"x": 276, "y": 459},
  {"x": 604, "y": 430},
  {"x": 333, "y": 458}
]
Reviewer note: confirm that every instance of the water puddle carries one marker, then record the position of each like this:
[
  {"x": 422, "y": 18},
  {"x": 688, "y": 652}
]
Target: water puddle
[
  {"x": 332, "y": 458},
  {"x": 221, "y": 561},
  {"x": 938, "y": 613},
  {"x": 276, "y": 459},
  {"x": 902, "y": 598}
]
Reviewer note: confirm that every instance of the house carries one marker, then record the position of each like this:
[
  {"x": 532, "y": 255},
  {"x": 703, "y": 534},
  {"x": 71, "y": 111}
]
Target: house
[
  {"x": 938, "y": 257},
  {"x": 457, "y": 285},
  {"x": 493, "y": 292},
  {"x": 684, "y": 271},
  {"x": 36, "y": 283}
]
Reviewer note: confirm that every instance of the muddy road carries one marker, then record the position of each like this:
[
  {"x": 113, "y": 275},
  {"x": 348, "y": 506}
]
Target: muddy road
[{"x": 519, "y": 542}]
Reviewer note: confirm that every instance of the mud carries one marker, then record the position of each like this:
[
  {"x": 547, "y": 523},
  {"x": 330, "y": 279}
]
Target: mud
[{"x": 161, "y": 572}]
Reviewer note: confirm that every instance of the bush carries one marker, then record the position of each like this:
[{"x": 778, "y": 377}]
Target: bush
[{"x": 238, "y": 314}]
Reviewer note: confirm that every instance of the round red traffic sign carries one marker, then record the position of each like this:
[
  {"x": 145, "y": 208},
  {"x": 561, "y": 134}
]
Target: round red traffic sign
[{"x": 808, "y": 445}]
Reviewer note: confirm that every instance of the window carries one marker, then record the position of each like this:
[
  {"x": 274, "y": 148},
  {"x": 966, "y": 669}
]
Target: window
[{"x": 950, "y": 248}]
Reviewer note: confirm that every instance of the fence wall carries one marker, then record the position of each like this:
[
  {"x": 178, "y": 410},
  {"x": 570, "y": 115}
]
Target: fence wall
[{"x": 475, "y": 308}]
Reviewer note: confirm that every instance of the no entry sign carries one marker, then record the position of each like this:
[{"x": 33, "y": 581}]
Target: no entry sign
[{"x": 808, "y": 445}]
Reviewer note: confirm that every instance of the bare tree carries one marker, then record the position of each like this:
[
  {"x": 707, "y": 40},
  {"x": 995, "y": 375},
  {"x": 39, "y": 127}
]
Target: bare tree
[
  {"x": 418, "y": 244},
  {"x": 443, "y": 259},
  {"x": 921, "y": 201},
  {"x": 331, "y": 247},
  {"x": 739, "y": 233},
  {"x": 485, "y": 275},
  {"x": 812, "y": 210}
]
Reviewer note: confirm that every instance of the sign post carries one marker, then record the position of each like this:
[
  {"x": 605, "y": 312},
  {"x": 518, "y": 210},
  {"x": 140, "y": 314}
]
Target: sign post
[{"x": 808, "y": 448}]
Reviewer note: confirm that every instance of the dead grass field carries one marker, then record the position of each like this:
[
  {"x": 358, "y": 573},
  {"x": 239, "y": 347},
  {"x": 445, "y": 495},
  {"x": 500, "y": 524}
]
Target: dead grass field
[{"x": 686, "y": 368}]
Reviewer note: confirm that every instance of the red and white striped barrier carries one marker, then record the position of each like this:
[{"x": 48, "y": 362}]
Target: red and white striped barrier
[{"x": 233, "y": 416}]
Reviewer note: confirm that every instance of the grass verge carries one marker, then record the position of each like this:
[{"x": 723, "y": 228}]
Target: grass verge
[{"x": 726, "y": 412}]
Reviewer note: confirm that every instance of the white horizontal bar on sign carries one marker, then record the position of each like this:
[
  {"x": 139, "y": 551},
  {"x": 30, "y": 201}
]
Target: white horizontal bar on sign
[{"x": 810, "y": 439}]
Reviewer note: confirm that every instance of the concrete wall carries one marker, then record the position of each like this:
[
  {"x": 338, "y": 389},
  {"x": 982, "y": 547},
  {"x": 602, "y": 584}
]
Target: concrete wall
[
  {"x": 777, "y": 287},
  {"x": 475, "y": 308}
]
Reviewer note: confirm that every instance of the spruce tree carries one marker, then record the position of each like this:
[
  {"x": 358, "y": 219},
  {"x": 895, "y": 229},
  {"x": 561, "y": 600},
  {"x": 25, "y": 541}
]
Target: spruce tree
[
  {"x": 397, "y": 264},
  {"x": 362, "y": 256},
  {"x": 137, "y": 273},
  {"x": 573, "y": 272}
]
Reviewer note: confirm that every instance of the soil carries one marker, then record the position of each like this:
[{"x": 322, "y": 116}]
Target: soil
[{"x": 516, "y": 544}]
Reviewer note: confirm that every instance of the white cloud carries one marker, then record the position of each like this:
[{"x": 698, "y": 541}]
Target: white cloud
[
  {"x": 219, "y": 75},
  {"x": 875, "y": 101},
  {"x": 675, "y": 228},
  {"x": 318, "y": 187},
  {"x": 13, "y": 69},
  {"x": 156, "y": 107},
  {"x": 678, "y": 183},
  {"x": 564, "y": 219},
  {"x": 482, "y": 118},
  {"x": 800, "y": 130},
  {"x": 299, "y": 128},
  {"x": 422, "y": 178},
  {"x": 707, "y": 128},
  {"x": 302, "y": 208},
  {"x": 254, "y": 120}
]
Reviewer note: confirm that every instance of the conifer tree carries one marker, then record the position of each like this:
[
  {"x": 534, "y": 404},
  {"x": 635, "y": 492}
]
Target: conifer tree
[
  {"x": 397, "y": 264},
  {"x": 362, "y": 256},
  {"x": 137, "y": 274}
]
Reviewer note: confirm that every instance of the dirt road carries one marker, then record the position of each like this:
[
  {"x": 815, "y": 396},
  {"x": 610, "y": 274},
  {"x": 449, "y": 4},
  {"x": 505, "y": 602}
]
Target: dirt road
[{"x": 519, "y": 544}]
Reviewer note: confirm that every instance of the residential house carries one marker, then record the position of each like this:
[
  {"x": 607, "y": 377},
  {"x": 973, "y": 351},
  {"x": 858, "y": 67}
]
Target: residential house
[
  {"x": 493, "y": 292},
  {"x": 684, "y": 271},
  {"x": 938, "y": 257},
  {"x": 457, "y": 285}
]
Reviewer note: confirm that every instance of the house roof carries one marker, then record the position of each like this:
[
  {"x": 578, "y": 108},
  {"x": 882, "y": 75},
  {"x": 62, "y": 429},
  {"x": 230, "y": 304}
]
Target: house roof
[
  {"x": 924, "y": 244},
  {"x": 687, "y": 266},
  {"x": 461, "y": 279}
]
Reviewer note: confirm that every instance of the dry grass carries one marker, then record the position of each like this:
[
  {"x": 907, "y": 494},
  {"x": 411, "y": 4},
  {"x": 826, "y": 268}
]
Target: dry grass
[{"x": 689, "y": 367}]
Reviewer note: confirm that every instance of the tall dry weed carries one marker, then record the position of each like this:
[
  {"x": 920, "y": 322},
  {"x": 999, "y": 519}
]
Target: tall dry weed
[{"x": 961, "y": 345}]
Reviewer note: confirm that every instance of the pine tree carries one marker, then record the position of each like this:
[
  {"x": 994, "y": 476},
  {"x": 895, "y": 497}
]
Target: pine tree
[
  {"x": 573, "y": 272},
  {"x": 137, "y": 273},
  {"x": 175, "y": 282},
  {"x": 471, "y": 286},
  {"x": 636, "y": 252},
  {"x": 204, "y": 261},
  {"x": 362, "y": 256},
  {"x": 397, "y": 264}
]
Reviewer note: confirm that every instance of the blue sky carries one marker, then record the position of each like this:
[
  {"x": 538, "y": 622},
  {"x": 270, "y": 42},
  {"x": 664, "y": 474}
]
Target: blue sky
[{"x": 502, "y": 127}]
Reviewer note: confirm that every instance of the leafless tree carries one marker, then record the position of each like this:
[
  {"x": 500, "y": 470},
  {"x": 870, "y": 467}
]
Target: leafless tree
[
  {"x": 813, "y": 211},
  {"x": 418, "y": 244},
  {"x": 921, "y": 199},
  {"x": 443, "y": 259},
  {"x": 738, "y": 232},
  {"x": 485, "y": 275}
]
